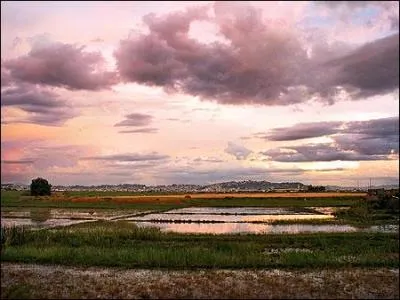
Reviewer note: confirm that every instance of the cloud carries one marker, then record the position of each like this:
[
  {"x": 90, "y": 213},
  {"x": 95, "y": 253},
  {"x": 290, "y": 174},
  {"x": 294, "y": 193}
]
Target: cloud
[
  {"x": 260, "y": 62},
  {"x": 375, "y": 128},
  {"x": 375, "y": 139},
  {"x": 302, "y": 131},
  {"x": 370, "y": 70},
  {"x": 61, "y": 65},
  {"x": 318, "y": 152},
  {"x": 208, "y": 160},
  {"x": 239, "y": 151},
  {"x": 133, "y": 165},
  {"x": 387, "y": 15},
  {"x": 123, "y": 174},
  {"x": 17, "y": 162},
  {"x": 49, "y": 156},
  {"x": 23, "y": 160},
  {"x": 328, "y": 170},
  {"x": 367, "y": 145},
  {"x": 41, "y": 106},
  {"x": 135, "y": 119},
  {"x": 141, "y": 130},
  {"x": 6, "y": 79},
  {"x": 193, "y": 176},
  {"x": 129, "y": 157}
]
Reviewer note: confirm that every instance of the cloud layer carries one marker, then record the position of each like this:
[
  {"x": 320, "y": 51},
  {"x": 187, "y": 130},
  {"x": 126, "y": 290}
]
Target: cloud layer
[
  {"x": 376, "y": 139},
  {"x": 129, "y": 157},
  {"x": 135, "y": 119},
  {"x": 238, "y": 151},
  {"x": 258, "y": 63},
  {"x": 61, "y": 65},
  {"x": 41, "y": 106}
]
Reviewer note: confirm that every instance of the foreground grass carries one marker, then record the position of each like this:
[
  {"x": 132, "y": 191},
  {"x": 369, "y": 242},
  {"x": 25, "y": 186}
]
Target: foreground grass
[{"x": 122, "y": 244}]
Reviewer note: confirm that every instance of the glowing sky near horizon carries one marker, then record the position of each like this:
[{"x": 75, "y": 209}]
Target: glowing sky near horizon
[{"x": 200, "y": 92}]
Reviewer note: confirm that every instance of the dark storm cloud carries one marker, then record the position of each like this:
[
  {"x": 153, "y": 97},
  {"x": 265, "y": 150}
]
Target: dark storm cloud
[
  {"x": 61, "y": 65},
  {"x": 141, "y": 130},
  {"x": 130, "y": 157},
  {"x": 260, "y": 64},
  {"x": 43, "y": 107},
  {"x": 135, "y": 119}
]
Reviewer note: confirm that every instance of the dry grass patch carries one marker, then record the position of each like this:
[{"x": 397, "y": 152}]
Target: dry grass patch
[
  {"x": 55, "y": 282},
  {"x": 178, "y": 199}
]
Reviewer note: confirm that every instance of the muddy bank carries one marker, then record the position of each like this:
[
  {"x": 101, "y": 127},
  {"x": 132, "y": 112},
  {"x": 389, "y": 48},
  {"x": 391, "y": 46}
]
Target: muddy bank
[{"x": 38, "y": 281}]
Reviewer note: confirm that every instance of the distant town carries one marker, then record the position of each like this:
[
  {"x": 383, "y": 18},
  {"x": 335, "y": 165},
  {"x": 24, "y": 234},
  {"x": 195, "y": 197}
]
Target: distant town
[{"x": 223, "y": 187}]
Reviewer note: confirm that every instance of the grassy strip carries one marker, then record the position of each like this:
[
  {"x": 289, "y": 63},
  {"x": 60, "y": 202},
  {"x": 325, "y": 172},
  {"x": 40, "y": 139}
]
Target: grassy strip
[
  {"x": 14, "y": 199},
  {"x": 275, "y": 202},
  {"x": 122, "y": 244}
]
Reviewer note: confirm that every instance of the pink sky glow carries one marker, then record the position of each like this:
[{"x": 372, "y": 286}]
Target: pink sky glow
[{"x": 200, "y": 92}]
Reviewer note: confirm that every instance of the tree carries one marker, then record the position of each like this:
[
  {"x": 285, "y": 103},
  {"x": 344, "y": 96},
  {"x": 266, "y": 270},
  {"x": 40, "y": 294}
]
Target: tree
[
  {"x": 311, "y": 188},
  {"x": 40, "y": 187}
]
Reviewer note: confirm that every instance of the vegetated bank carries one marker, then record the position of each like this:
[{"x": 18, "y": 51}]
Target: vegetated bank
[{"x": 122, "y": 244}]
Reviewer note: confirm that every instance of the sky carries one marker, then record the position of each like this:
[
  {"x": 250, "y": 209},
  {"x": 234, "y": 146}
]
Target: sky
[{"x": 193, "y": 92}]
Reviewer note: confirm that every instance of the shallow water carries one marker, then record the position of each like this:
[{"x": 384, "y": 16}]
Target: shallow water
[
  {"x": 231, "y": 228},
  {"x": 231, "y": 214},
  {"x": 225, "y": 218},
  {"x": 49, "y": 223},
  {"x": 71, "y": 214},
  {"x": 237, "y": 211}
]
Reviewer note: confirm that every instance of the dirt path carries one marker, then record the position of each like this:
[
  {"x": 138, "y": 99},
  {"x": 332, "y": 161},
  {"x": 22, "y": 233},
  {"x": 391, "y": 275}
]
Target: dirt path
[{"x": 39, "y": 281}]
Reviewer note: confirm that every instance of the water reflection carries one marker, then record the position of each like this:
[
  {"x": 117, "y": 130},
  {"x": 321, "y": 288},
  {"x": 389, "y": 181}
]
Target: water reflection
[
  {"x": 200, "y": 217},
  {"x": 231, "y": 228},
  {"x": 48, "y": 223},
  {"x": 42, "y": 214},
  {"x": 238, "y": 211}
]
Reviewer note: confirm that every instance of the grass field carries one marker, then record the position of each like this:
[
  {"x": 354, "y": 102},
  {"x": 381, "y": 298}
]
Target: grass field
[
  {"x": 145, "y": 202},
  {"x": 122, "y": 244},
  {"x": 205, "y": 194}
]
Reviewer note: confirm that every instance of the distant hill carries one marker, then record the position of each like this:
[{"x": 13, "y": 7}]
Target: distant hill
[{"x": 255, "y": 185}]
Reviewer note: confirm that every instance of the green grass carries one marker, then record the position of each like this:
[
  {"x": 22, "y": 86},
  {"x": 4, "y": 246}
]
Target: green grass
[
  {"x": 122, "y": 244},
  {"x": 116, "y": 193},
  {"x": 14, "y": 199}
]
